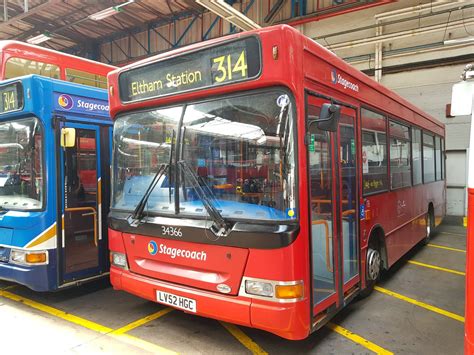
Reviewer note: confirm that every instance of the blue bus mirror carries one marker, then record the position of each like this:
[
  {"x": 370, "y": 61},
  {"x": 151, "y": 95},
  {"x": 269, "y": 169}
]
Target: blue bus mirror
[{"x": 68, "y": 137}]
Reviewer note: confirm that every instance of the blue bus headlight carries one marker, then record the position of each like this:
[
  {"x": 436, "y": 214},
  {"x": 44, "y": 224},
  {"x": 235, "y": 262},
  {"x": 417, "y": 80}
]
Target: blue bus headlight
[{"x": 23, "y": 257}]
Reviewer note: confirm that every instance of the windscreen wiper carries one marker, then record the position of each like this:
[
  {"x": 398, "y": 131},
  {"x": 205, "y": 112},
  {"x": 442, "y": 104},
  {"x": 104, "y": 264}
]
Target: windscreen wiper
[
  {"x": 134, "y": 219},
  {"x": 221, "y": 227}
]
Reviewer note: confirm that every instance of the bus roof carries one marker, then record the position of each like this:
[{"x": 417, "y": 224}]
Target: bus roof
[
  {"x": 300, "y": 43},
  {"x": 47, "y": 96},
  {"x": 26, "y": 50}
]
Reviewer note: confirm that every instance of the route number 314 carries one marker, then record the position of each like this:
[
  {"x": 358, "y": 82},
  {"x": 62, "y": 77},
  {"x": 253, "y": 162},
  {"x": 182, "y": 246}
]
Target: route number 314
[{"x": 230, "y": 69}]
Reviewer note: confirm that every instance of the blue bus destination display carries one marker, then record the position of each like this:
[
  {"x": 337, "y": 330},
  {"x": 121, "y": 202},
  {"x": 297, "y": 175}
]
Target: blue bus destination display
[
  {"x": 11, "y": 97},
  {"x": 227, "y": 63}
]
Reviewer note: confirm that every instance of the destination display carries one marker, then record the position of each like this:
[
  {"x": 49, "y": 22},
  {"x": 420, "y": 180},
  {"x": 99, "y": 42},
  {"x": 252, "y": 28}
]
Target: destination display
[
  {"x": 11, "y": 97},
  {"x": 227, "y": 63}
]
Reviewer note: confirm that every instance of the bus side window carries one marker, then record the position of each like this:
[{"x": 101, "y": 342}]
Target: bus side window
[
  {"x": 85, "y": 78},
  {"x": 428, "y": 158},
  {"x": 374, "y": 152},
  {"x": 400, "y": 160},
  {"x": 15, "y": 67},
  {"x": 438, "y": 171},
  {"x": 417, "y": 158},
  {"x": 443, "y": 160}
]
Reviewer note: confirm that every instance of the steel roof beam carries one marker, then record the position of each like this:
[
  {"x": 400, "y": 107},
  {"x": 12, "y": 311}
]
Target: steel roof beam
[{"x": 31, "y": 11}]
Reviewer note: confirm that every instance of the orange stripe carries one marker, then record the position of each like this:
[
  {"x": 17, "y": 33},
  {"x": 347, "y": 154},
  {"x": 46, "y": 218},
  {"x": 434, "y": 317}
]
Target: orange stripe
[
  {"x": 99, "y": 191},
  {"x": 46, "y": 235}
]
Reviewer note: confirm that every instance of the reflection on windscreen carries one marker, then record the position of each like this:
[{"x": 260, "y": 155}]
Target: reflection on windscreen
[
  {"x": 240, "y": 148},
  {"x": 21, "y": 176}
]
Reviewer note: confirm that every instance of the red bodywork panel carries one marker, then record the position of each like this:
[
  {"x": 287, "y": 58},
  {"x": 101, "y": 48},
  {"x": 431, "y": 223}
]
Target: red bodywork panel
[
  {"x": 202, "y": 266},
  {"x": 469, "y": 325},
  {"x": 288, "y": 320}
]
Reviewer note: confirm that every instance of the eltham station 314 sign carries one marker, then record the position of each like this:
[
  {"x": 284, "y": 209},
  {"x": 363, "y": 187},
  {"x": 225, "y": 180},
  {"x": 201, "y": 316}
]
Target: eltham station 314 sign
[{"x": 226, "y": 63}]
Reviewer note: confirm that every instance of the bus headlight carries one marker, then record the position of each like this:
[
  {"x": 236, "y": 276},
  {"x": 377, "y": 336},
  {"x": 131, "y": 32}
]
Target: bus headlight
[
  {"x": 23, "y": 257},
  {"x": 259, "y": 288},
  {"x": 119, "y": 260},
  {"x": 272, "y": 290}
]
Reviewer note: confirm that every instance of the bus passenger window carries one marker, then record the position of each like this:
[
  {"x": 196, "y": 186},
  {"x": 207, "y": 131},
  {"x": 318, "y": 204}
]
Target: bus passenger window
[
  {"x": 428, "y": 158},
  {"x": 85, "y": 78},
  {"x": 400, "y": 162},
  {"x": 417, "y": 162},
  {"x": 16, "y": 67},
  {"x": 438, "y": 157},
  {"x": 374, "y": 152},
  {"x": 443, "y": 160}
]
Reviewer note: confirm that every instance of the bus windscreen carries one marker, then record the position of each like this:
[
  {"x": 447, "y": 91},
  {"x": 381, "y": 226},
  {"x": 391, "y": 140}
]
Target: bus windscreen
[{"x": 219, "y": 65}]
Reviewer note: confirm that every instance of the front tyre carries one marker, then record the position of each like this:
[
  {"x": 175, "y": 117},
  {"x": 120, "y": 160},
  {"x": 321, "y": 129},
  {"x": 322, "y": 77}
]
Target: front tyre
[{"x": 374, "y": 267}]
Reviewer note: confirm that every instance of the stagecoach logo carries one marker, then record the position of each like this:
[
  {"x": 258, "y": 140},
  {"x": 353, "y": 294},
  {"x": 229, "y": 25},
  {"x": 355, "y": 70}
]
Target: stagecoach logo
[
  {"x": 152, "y": 247},
  {"x": 65, "y": 101},
  {"x": 339, "y": 79}
]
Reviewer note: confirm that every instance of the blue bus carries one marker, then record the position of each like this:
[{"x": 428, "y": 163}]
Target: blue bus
[{"x": 55, "y": 148}]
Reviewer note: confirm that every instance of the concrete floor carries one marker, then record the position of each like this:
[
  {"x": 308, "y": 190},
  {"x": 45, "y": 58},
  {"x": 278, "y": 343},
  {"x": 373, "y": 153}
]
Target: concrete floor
[{"x": 86, "y": 319}]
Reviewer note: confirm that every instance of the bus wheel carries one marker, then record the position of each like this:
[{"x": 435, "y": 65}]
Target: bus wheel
[
  {"x": 374, "y": 267},
  {"x": 429, "y": 226}
]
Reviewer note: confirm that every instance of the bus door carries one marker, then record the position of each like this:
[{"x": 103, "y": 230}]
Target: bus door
[
  {"x": 332, "y": 177},
  {"x": 81, "y": 202}
]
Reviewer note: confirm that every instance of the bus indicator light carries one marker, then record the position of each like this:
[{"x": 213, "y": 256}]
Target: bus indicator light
[
  {"x": 368, "y": 215},
  {"x": 289, "y": 291},
  {"x": 36, "y": 258}
]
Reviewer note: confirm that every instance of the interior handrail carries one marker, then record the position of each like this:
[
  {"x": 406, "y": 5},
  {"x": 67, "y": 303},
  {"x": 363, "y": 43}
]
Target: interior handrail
[{"x": 94, "y": 213}]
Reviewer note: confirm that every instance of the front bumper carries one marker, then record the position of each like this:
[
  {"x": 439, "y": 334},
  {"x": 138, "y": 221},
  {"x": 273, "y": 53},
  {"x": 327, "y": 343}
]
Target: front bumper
[
  {"x": 288, "y": 320},
  {"x": 38, "y": 278}
]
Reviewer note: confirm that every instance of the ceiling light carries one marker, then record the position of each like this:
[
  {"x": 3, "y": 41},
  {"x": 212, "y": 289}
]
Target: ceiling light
[
  {"x": 109, "y": 11},
  {"x": 40, "y": 38},
  {"x": 227, "y": 12},
  {"x": 459, "y": 40}
]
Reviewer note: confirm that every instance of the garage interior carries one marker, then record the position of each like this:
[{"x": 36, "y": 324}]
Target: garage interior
[{"x": 416, "y": 48}]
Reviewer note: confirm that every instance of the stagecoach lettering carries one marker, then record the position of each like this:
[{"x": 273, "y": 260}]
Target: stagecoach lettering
[{"x": 182, "y": 253}]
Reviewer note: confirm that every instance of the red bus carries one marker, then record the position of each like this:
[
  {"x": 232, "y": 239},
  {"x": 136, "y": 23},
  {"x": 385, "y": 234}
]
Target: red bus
[
  {"x": 19, "y": 58},
  {"x": 462, "y": 104},
  {"x": 259, "y": 179}
]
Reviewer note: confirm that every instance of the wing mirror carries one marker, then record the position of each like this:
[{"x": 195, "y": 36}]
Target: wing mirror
[{"x": 329, "y": 117}]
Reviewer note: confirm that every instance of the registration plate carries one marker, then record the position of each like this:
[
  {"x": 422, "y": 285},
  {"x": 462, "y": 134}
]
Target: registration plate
[{"x": 169, "y": 299}]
